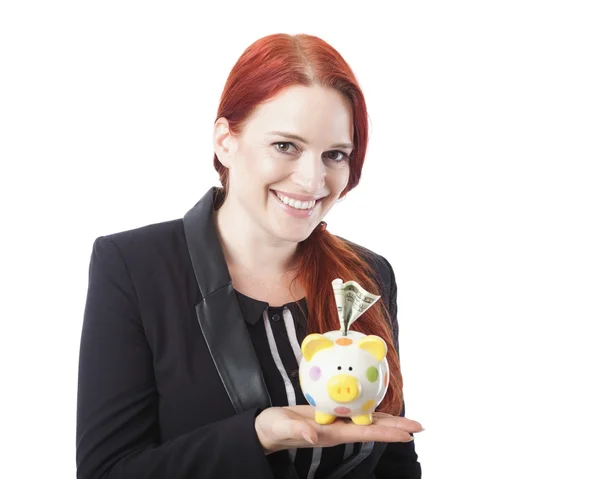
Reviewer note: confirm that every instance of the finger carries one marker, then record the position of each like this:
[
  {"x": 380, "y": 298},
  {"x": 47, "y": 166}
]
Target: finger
[
  {"x": 398, "y": 422},
  {"x": 346, "y": 431},
  {"x": 382, "y": 414},
  {"x": 302, "y": 430},
  {"x": 374, "y": 432},
  {"x": 311, "y": 438},
  {"x": 326, "y": 433},
  {"x": 409, "y": 425}
]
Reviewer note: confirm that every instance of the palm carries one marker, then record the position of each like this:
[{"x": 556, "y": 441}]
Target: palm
[{"x": 291, "y": 426}]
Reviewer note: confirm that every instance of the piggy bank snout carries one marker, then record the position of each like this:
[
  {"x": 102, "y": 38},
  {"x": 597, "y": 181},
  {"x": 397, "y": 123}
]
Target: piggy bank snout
[{"x": 343, "y": 388}]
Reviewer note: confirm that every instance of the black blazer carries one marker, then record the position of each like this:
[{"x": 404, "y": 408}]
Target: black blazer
[{"x": 169, "y": 383}]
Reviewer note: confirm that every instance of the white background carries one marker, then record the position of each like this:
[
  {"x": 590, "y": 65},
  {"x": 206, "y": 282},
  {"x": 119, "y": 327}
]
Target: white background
[{"x": 481, "y": 186}]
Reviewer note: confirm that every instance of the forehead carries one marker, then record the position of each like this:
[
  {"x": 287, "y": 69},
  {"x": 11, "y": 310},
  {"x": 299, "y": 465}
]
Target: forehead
[{"x": 315, "y": 113}]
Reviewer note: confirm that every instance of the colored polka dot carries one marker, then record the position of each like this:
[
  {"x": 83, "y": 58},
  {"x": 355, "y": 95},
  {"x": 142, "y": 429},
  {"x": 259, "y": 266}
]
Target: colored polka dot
[
  {"x": 372, "y": 374},
  {"x": 342, "y": 410},
  {"x": 370, "y": 404},
  {"x": 315, "y": 373},
  {"x": 310, "y": 400},
  {"x": 343, "y": 341}
]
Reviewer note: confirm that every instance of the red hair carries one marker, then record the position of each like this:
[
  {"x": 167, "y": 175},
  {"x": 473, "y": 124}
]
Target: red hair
[{"x": 266, "y": 67}]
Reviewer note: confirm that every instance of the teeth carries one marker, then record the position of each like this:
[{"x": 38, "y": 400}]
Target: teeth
[{"x": 299, "y": 205}]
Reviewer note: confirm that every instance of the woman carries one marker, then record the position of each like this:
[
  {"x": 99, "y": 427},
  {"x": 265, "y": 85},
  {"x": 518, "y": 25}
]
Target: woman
[{"x": 189, "y": 351}]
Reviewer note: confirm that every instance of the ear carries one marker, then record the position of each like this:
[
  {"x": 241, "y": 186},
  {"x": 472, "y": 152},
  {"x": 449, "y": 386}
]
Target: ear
[
  {"x": 313, "y": 343},
  {"x": 224, "y": 142},
  {"x": 374, "y": 345}
]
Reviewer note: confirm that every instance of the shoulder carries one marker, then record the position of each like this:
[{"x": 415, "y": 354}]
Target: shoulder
[
  {"x": 144, "y": 238},
  {"x": 143, "y": 248}
]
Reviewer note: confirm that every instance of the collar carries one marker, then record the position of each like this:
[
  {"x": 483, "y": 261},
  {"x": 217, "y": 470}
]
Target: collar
[
  {"x": 252, "y": 309},
  {"x": 204, "y": 246},
  {"x": 223, "y": 325},
  {"x": 219, "y": 315}
]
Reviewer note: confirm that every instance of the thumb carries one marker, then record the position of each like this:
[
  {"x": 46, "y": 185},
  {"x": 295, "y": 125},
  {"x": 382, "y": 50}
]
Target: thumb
[{"x": 307, "y": 433}]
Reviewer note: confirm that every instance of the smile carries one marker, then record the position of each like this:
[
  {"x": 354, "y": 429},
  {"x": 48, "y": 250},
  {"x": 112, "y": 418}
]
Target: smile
[{"x": 296, "y": 204}]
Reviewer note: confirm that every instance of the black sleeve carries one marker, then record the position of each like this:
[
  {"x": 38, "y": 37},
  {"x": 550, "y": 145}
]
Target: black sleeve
[
  {"x": 117, "y": 402},
  {"x": 399, "y": 459}
]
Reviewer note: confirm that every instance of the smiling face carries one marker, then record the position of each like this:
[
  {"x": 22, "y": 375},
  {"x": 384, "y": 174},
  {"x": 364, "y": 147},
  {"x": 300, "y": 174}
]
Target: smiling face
[{"x": 289, "y": 164}]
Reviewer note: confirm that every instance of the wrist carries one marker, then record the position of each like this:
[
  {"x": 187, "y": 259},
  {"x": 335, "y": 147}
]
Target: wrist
[{"x": 268, "y": 446}]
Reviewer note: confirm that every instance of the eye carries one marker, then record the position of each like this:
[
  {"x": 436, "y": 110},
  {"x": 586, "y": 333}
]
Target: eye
[
  {"x": 350, "y": 368},
  {"x": 339, "y": 368},
  {"x": 284, "y": 146},
  {"x": 336, "y": 156}
]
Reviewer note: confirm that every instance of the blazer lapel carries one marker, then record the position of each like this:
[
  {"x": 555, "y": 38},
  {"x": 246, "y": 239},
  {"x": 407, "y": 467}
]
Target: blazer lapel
[
  {"x": 223, "y": 325},
  {"x": 219, "y": 313}
]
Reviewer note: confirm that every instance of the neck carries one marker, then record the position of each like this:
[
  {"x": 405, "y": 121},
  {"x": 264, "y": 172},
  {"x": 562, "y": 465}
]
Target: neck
[{"x": 247, "y": 247}]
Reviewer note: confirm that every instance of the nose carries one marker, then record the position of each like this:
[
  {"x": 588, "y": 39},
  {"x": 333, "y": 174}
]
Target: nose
[
  {"x": 310, "y": 172},
  {"x": 343, "y": 388}
]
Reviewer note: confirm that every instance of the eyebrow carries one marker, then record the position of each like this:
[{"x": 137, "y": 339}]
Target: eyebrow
[{"x": 299, "y": 138}]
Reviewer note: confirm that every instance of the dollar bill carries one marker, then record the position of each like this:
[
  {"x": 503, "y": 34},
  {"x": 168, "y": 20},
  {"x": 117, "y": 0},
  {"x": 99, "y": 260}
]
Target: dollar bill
[{"x": 351, "y": 301}]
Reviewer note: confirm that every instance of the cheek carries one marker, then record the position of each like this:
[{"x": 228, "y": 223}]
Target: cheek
[
  {"x": 256, "y": 168},
  {"x": 338, "y": 177},
  {"x": 267, "y": 166},
  {"x": 336, "y": 181}
]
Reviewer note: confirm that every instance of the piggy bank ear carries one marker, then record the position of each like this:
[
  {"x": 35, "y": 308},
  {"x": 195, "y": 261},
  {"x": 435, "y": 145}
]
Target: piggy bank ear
[
  {"x": 313, "y": 343},
  {"x": 374, "y": 345}
]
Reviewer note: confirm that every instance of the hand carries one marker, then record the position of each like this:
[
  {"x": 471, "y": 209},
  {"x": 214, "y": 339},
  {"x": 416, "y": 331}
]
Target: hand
[{"x": 291, "y": 427}]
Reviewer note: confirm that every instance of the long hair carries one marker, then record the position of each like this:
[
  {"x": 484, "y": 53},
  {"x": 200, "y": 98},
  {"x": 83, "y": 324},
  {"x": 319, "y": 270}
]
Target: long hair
[{"x": 266, "y": 67}]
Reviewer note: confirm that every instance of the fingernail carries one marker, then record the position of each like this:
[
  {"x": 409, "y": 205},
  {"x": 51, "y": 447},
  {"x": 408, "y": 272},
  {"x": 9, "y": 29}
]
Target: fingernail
[{"x": 307, "y": 438}]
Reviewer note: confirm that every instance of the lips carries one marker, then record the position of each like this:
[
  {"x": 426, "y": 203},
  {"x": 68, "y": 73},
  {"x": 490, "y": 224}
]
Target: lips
[
  {"x": 303, "y": 211},
  {"x": 297, "y": 202}
]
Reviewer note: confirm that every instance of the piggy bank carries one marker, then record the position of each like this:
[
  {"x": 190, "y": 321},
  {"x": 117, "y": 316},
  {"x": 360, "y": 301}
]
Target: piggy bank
[{"x": 344, "y": 376}]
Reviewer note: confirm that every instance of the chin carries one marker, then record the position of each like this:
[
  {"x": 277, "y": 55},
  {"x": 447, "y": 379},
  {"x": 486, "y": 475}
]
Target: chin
[{"x": 293, "y": 235}]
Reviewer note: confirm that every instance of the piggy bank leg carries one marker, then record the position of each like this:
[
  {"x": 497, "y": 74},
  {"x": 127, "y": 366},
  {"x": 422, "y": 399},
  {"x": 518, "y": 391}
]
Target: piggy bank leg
[
  {"x": 363, "y": 420},
  {"x": 323, "y": 418}
]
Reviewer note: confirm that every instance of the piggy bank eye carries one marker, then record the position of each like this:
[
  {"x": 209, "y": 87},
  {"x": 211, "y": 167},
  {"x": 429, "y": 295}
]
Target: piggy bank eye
[
  {"x": 350, "y": 368},
  {"x": 339, "y": 368}
]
